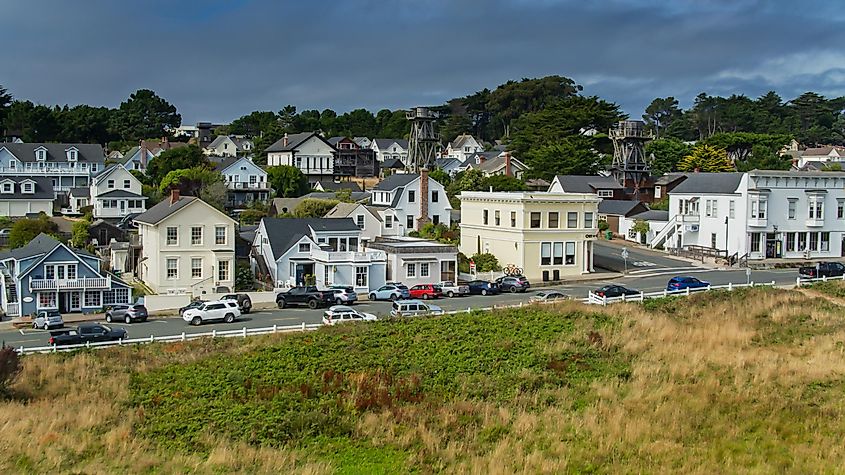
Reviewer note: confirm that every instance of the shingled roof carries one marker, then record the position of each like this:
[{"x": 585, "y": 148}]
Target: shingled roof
[
  {"x": 56, "y": 152},
  {"x": 284, "y": 232},
  {"x": 709, "y": 183}
]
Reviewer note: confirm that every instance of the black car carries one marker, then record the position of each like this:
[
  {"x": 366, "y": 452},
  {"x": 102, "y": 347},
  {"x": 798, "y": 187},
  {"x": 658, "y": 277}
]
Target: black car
[
  {"x": 305, "y": 296},
  {"x": 613, "y": 290},
  {"x": 516, "y": 283},
  {"x": 85, "y": 333},
  {"x": 483, "y": 287},
  {"x": 244, "y": 302}
]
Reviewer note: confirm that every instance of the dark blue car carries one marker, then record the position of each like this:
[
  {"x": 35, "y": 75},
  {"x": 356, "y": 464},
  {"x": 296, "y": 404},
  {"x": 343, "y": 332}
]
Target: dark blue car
[
  {"x": 685, "y": 282},
  {"x": 483, "y": 287}
]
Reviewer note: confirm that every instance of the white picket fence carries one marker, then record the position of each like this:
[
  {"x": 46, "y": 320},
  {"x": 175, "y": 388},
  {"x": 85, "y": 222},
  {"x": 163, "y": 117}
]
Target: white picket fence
[
  {"x": 243, "y": 332},
  {"x": 594, "y": 299},
  {"x": 803, "y": 281}
]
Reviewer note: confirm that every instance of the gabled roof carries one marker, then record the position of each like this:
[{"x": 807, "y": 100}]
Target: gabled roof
[
  {"x": 294, "y": 141},
  {"x": 460, "y": 140},
  {"x": 386, "y": 143},
  {"x": 587, "y": 183},
  {"x": 164, "y": 209},
  {"x": 81, "y": 192},
  {"x": 621, "y": 207},
  {"x": 226, "y": 163},
  {"x": 238, "y": 141},
  {"x": 107, "y": 171},
  {"x": 709, "y": 183},
  {"x": 670, "y": 178},
  {"x": 121, "y": 194},
  {"x": 337, "y": 186},
  {"x": 42, "y": 244},
  {"x": 393, "y": 163},
  {"x": 823, "y": 151},
  {"x": 652, "y": 215},
  {"x": 56, "y": 152},
  {"x": 396, "y": 180},
  {"x": 497, "y": 162},
  {"x": 284, "y": 232}
]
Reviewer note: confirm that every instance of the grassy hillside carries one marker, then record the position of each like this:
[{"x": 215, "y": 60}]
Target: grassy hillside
[{"x": 750, "y": 381}]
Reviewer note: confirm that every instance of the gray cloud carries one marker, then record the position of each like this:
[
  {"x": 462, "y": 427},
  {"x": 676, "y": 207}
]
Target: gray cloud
[{"x": 216, "y": 60}]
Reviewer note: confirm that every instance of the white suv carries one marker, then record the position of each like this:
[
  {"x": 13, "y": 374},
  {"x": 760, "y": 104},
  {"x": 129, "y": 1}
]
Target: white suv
[
  {"x": 343, "y": 314},
  {"x": 215, "y": 310},
  {"x": 414, "y": 308}
]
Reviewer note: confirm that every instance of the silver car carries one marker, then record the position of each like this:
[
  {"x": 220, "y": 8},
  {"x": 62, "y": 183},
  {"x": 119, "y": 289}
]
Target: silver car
[{"x": 47, "y": 319}]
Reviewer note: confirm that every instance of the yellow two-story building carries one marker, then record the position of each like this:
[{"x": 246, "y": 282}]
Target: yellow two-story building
[{"x": 548, "y": 235}]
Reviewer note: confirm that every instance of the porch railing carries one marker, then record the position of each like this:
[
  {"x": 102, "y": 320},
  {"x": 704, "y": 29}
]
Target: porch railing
[
  {"x": 70, "y": 284},
  {"x": 13, "y": 309}
]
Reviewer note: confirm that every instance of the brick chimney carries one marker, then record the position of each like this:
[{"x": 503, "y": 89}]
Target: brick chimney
[
  {"x": 143, "y": 152},
  {"x": 285, "y": 140},
  {"x": 174, "y": 196},
  {"x": 508, "y": 164},
  {"x": 423, "y": 198}
]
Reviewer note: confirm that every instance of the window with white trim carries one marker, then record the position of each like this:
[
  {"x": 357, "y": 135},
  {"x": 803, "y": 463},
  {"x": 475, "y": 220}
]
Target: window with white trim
[
  {"x": 545, "y": 254},
  {"x": 46, "y": 300},
  {"x": 223, "y": 271},
  {"x": 423, "y": 269},
  {"x": 793, "y": 206},
  {"x": 605, "y": 193},
  {"x": 220, "y": 235},
  {"x": 557, "y": 253},
  {"x": 172, "y": 236},
  {"x": 569, "y": 258},
  {"x": 361, "y": 276},
  {"x": 411, "y": 271},
  {"x": 172, "y": 268},
  {"x": 92, "y": 299},
  {"x": 110, "y": 184},
  {"x": 196, "y": 235},
  {"x": 196, "y": 267}
]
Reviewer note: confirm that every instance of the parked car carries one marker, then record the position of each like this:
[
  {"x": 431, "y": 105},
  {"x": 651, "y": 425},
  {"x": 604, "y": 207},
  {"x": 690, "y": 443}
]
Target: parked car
[
  {"x": 5, "y": 232},
  {"x": 414, "y": 308},
  {"x": 822, "y": 269},
  {"x": 548, "y": 296},
  {"x": 47, "y": 319},
  {"x": 344, "y": 314},
  {"x": 308, "y": 295},
  {"x": 482, "y": 287},
  {"x": 243, "y": 300},
  {"x": 87, "y": 332},
  {"x": 390, "y": 292},
  {"x": 193, "y": 304},
  {"x": 685, "y": 282},
  {"x": 344, "y": 294},
  {"x": 126, "y": 313},
  {"x": 215, "y": 310},
  {"x": 450, "y": 289},
  {"x": 614, "y": 290},
  {"x": 426, "y": 291},
  {"x": 513, "y": 284}
]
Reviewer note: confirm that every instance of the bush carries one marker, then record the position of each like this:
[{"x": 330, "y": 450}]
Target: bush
[
  {"x": 10, "y": 367},
  {"x": 486, "y": 262}
]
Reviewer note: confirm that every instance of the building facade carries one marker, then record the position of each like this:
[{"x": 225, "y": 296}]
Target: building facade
[
  {"x": 20, "y": 196},
  {"x": 114, "y": 194},
  {"x": 48, "y": 275},
  {"x": 188, "y": 247},
  {"x": 245, "y": 182},
  {"x": 548, "y": 235},
  {"x": 415, "y": 261},
  {"x": 66, "y": 165},
  {"x": 759, "y": 214},
  {"x": 413, "y": 200},
  {"x": 309, "y": 152}
]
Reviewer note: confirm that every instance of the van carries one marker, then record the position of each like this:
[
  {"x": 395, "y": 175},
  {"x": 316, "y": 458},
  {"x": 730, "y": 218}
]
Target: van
[{"x": 414, "y": 308}]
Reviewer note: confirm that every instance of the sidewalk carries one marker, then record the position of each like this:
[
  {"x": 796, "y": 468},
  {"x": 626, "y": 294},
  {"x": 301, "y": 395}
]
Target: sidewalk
[{"x": 621, "y": 243}]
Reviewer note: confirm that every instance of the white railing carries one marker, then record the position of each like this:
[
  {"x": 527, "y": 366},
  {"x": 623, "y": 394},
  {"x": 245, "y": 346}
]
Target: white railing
[
  {"x": 70, "y": 284},
  {"x": 242, "y": 185},
  {"x": 663, "y": 235},
  {"x": 594, "y": 299},
  {"x": 799, "y": 281},
  {"x": 243, "y": 332},
  {"x": 13, "y": 309},
  {"x": 330, "y": 257},
  {"x": 44, "y": 171}
]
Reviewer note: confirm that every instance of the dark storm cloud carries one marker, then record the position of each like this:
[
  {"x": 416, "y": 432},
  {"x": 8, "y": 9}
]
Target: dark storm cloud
[{"x": 216, "y": 59}]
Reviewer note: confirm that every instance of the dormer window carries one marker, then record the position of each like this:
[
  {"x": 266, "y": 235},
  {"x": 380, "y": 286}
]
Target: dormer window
[
  {"x": 8, "y": 187},
  {"x": 71, "y": 155},
  {"x": 41, "y": 154},
  {"x": 28, "y": 187}
]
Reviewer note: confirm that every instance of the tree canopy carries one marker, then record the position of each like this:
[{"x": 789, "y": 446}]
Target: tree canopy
[
  {"x": 288, "y": 181},
  {"x": 706, "y": 158},
  {"x": 179, "y": 158},
  {"x": 145, "y": 115},
  {"x": 25, "y": 230}
]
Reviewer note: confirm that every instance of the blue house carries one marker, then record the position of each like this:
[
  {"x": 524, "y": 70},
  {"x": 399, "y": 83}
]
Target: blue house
[{"x": 46, "y": 274}]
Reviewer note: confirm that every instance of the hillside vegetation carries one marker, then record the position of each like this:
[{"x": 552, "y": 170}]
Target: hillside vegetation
[{"x": 749, "y": 381}]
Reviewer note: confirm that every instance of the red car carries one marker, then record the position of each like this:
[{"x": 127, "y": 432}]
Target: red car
[{"x": 426, "y": 291}]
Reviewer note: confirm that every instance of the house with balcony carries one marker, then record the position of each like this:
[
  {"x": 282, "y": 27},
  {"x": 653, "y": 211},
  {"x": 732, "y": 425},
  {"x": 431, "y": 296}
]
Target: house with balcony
[
  {"x": 188, "y": 247},
  {"x": 65, "y": 165},
  {"x": 20, "y": 196},
  {"x": 309, "y": 152},
  {"x": 352, "y": 159},
  {"x": 373, "y": 221},
  {"x": 245, "y": 181},
  {"x": 48, "y": 275},
  {"x": 322, "y": 251},
  {"x": 412, "y": 200},
  {"x": 113, "y": 194},
  {"x": 758, "y": 215}
]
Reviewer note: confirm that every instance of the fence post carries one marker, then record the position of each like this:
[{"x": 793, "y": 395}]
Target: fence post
[
  {"x": 469, "y": 310},
  {"x": 752, "y": 283},
  {"x": 245, "y": 331},
  {"x": 303, "y": 326},
  {"x": 642, "y": 296},
  {"x": 54, "y": 348},
  {"x": 274, "y": 328},
  {"x": 665, "y": 293},
  {"x": 88, "y": 344},
  {"x": 730, "y": 286},
  {"x": 21, "y": 350},
  {"x": 152, "y": 339},
  {"x": 687, "y": 291},
  {"x": 183, "y": 336},
  {"x": 824, "y": 278},
  {"x": 604, "y": 300},
  {"x": 798, "y": 281}
]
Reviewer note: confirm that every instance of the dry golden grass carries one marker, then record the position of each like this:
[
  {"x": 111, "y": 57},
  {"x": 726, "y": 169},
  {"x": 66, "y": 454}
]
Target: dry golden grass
[{"x": 745, "y": 383}]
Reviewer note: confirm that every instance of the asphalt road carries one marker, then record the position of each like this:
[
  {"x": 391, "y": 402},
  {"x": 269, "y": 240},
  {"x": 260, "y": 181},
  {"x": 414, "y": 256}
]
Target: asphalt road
[
  {"x": 608, "y": 256},
  {"x": 647, "y": 280}
]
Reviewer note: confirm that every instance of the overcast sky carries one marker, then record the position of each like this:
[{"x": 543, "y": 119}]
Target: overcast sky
[{"x": 217, "y": 60}]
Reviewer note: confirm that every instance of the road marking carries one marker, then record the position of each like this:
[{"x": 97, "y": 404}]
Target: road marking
[
  {"x": 685, "y": 270},
  {"x": 643, "y": 264},
  {"x": 643, "y": 271}
]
